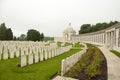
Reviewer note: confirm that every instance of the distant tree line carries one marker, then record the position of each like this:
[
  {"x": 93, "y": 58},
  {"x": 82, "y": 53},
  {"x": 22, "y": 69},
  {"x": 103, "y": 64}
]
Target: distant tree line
[
  {"x": 32, "y": 34},
  {"x": 5, "y": 33},
  {"x": 48, "y": 38},
  {"x": 87, "y": 28}
]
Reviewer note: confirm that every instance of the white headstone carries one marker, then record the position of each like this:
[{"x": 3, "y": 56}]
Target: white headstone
[
  {"x": 41, "y": 56},
  {"x": 11, "y": 54},
  {"x": 17, "y": 53},
  {"x": 46, "y": 56},
  {"x": 52, "y": 52},
  {"x": 23, "y": 60},
  {"x": 49, "y": 53},
  {"x": 30, "y": 58},
  {"x": 5, "y": 54},
  {"x": 36, "y": 58}
]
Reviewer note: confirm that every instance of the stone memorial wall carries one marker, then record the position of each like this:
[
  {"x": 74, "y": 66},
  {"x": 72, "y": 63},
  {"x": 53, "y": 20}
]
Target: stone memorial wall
[
  {"x": 109, "y": 37},
  {"x": 67, "y": 63}
]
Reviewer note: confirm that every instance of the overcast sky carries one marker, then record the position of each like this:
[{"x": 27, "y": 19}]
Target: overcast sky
[{"x": 53, "y": 16}]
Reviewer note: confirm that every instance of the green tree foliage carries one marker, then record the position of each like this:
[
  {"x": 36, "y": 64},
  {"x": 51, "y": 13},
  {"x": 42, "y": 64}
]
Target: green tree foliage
[
  {"x": 87, "y": 28},
  {"x": 34, "y": 35},
  {"x": 5, "y": 33},
  {"x": 23, "y": 37},
  {"x": 14, "y": 38},
  {"x": 48, "y": 38},
  {"x": 42, "y": 36},
  {"x": 9, "y": 34}
]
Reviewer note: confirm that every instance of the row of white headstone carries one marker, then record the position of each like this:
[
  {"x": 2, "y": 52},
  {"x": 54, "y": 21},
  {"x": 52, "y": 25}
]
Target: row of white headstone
[
  {"x": 12, "y": 49},
  {"x": 67, "y": 63},
  {"x": 44, "y": 55}
]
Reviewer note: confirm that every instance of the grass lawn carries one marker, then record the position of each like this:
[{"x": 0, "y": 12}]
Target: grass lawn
[
  {"x": 40, "y": 71},
  {"x": 66, "y": 44},
  {"x": 116, "y": 52}
]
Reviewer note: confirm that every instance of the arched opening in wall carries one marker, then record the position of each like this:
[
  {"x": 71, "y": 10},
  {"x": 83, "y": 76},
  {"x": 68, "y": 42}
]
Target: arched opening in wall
[{"x": 66, "y": 36}]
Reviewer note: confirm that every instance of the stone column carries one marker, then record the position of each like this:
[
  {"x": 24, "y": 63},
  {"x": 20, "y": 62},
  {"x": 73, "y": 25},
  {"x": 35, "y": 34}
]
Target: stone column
[
  {"x": 108, "y": 39},
  {"x": 103, "y": 39},
  {"x": 117, "y": 37},
  {"x": 112, "y": 39}
]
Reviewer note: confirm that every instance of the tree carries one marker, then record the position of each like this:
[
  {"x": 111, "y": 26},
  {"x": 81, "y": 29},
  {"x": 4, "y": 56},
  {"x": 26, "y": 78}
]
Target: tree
[
  {"x": 9, "y": 34},
  {"x": 3, "y": 31},
  {"x": 33, "y": 35},
  {"x": 23, "y": 37},
  {"x": 14, "y": 38},
  {"x": 42, "y": 36},
  {"x": 86, "y": 28}
]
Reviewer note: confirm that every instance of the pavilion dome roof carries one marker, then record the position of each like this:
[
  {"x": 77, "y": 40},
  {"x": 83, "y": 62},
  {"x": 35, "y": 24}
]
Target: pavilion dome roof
[{"x": 69, "y": 29}]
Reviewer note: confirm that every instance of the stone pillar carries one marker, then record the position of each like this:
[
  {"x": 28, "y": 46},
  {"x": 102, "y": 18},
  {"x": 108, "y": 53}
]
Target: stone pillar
[
  {"x": 108, "y": 39},
  {"x": 117, "y": 37},
  {"x": 103, "y": 40},
  {"x": 112, "y": 39}
]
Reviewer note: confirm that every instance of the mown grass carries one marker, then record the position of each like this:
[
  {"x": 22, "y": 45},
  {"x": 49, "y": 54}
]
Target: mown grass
[
  {"x": 116, "y": 52},
  {"x": 40, "y": 71},
  {"x": 59, "y": 44},
  {"x": 66, "y": 44}
]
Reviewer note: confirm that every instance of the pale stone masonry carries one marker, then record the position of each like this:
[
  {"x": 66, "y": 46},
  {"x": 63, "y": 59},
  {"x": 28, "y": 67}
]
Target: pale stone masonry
[
  {"x": 109, "y": 37},
  {"x": 113, "y": 63},
  {"x": 67, "y": 63}
]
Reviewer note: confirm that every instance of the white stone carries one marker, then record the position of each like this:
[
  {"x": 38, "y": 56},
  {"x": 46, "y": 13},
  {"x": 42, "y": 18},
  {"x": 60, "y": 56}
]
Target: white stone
[
  {"x": 23, "y": 60},
  {"x": 5, "y": 54},
  {"x": 46, "y": 56},
  {"x": 17, "y": 53},
  {"x": 41, "y": 56},
  {"x": 12, "y": 54},
  {"x": 30, "y": 59},
  {"x": 36, "y": 58}
]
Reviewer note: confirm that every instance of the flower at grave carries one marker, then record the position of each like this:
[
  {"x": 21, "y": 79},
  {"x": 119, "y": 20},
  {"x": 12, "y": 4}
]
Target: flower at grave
[{"x": 102, "y": 70}]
